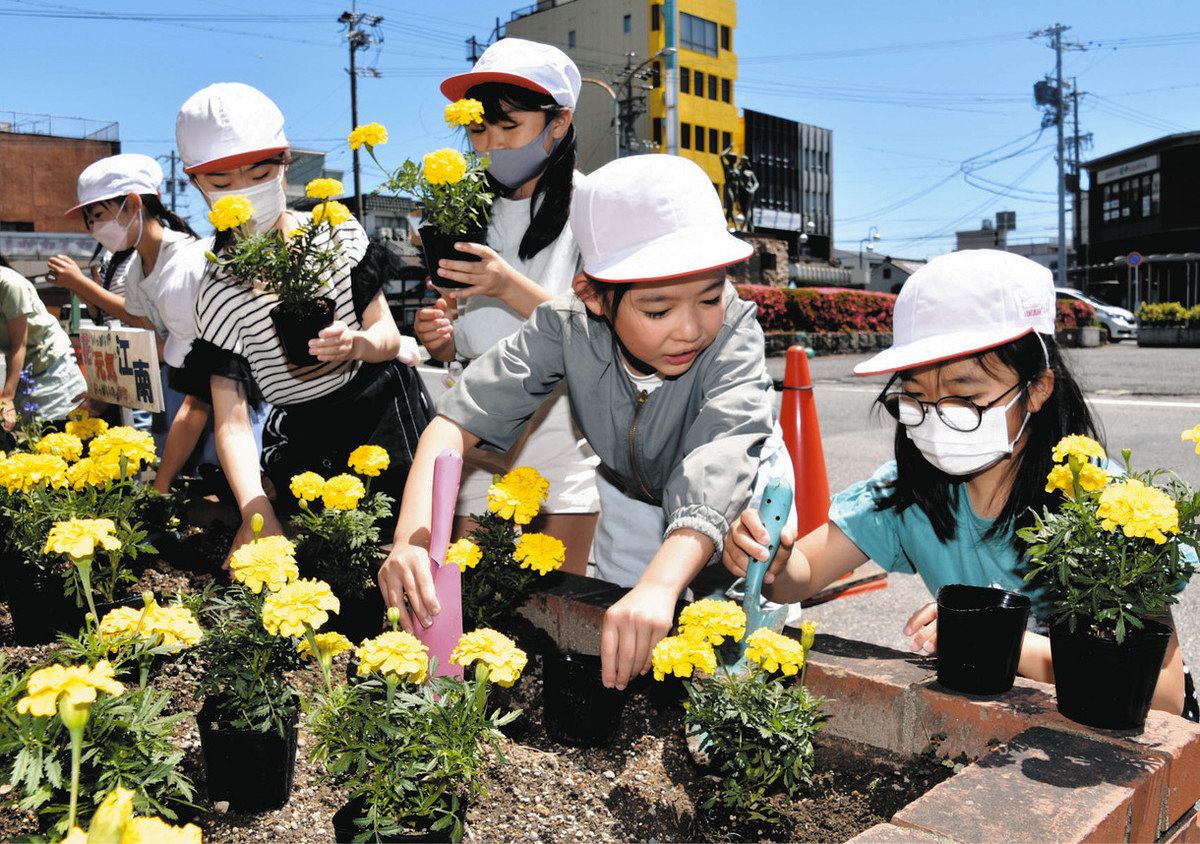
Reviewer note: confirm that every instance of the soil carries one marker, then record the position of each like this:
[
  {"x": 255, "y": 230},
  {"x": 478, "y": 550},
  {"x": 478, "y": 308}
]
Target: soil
[{"x": 645, "y": 786}]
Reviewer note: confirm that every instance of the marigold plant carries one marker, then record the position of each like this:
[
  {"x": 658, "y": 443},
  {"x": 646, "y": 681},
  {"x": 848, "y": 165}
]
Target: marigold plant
[
  {"x": 500, "y": 654},
  {"x": 369, "y": 135}
]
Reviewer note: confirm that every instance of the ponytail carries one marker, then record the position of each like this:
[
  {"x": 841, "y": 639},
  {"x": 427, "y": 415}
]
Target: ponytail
[{"x": 153, "y": 204}]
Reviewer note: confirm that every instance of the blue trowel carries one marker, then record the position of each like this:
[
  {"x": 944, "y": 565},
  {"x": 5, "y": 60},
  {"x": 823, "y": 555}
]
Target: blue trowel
[{"x": 774, "y": 510}]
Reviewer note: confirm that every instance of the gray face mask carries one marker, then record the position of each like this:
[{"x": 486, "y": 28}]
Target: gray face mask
[{"x": 514, "y": 167}]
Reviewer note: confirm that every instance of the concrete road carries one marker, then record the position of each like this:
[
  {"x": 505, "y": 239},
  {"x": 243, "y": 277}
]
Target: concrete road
[{"x": 1143, "y": 398}]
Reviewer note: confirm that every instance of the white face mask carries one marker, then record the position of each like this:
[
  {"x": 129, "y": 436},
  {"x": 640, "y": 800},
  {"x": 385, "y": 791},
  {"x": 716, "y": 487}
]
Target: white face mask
[
  {"x": 966, "y": 452},
  {"x": 114, "y": 236},
  {"x": 268, "y": 200}
]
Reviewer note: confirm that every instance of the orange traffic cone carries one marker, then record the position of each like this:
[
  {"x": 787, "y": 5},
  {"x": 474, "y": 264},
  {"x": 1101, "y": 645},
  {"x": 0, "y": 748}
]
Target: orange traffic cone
[{"x": 802, "y": 436}]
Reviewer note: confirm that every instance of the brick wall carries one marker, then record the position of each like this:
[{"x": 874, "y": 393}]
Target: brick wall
[{"x": 38, "y": 174}]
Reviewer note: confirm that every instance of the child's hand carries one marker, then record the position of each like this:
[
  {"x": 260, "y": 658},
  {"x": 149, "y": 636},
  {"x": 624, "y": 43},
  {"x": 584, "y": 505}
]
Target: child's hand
[
  {"x": 922, "y": 627},
  {"x": 747, "y": 539},
  {"x": 334, "y": 342},
  {"x": 434, "y": 330},
  {"x": 406, "y": 572},
  {"x": 632, "y": 627},
  {"x": 489, "y": 276},
  {"x": 65, "y": 273},
  {"x": 270, "y": 527}
]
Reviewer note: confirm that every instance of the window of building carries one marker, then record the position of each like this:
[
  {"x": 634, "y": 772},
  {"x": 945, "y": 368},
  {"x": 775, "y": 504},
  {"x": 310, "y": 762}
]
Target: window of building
[
  {"x": 727, "y": 90},
  {"x": 1130, "y": 199},
  {"x": 697, "y": 34},
  {"x": 726, "y": 141},
  {"x": 571, "y": 39},
  {"x": 685, "y": 80},
  {"x": 699, "y": 139},
  {"x": 712, "y": 141},
  {"x": 712, "y": 87},
  {"x": 656, "y": 75},
  {"x": 685, "y": 135},
  {"x": 655, "y": 17},
  {"x": 627, "y": 23},
  {"x": 887, "y": 273},
  {"x": 698, "y": 79},
  {"x": 725, "y": 38},
  {"x": 16, "y": 226},
  {"x": 657, "y": 131}
]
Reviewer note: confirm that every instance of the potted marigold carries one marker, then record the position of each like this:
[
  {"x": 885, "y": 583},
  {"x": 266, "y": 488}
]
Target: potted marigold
[
  {"x": 337, "y": 537},
  {"x": 409, "y": 748},
  {"x": 452, "y": 188},
  {"x": 296, "y": 267},
  {"x": 750, "y": 719},
  {"x": 1112, "y": 560},
  {"x": 248, "y": 722}
]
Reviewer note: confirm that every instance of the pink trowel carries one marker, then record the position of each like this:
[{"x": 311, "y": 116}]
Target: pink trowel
[{"x": 443, "y": 634}]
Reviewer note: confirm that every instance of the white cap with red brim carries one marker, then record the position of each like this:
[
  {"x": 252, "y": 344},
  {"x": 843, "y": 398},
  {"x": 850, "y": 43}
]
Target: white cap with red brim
[
  {"x": 526, "y": 64},
  {"x": 651, "y": 218},
  {"x": 964, "y": 303},
  {"x": 116, "y": 176},
  {"x": 228, "y": 125}
]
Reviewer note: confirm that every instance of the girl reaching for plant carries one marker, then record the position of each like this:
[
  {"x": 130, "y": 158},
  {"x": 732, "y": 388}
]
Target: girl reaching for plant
[
  {"x": 981, "y": 397},
  {"x": 230, "y": 137},
  {"x": 665, "y": 372}
]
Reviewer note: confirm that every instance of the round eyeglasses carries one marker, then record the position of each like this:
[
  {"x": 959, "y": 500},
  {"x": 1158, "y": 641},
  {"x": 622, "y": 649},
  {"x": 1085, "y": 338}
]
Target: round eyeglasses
[{"x": 958, "y": 413}]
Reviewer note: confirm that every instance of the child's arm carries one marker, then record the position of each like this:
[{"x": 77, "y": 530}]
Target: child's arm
[
  {"x": 633, "y": 625},
  {"x": 186, "y": 428},
  {"x": 406, "y": 569}
]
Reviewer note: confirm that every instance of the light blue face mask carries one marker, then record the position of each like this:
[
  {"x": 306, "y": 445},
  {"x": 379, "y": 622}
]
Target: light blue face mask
[{"x": 514, "y": 167}]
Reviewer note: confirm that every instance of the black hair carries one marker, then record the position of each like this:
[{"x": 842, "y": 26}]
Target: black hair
[
  {"x": 920, "y": 483},
  {"x": 4, "y": 261},
  {"x": 547, "y": 217},
  {"x": 153, "y": 206}
]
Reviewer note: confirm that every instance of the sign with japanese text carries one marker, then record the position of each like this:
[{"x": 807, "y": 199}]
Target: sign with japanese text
[{"x": 121, "y": 366}]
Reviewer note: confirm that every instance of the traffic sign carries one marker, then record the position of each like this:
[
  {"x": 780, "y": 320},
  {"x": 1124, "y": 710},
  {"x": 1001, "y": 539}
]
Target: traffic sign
[{"x": 1133, "y": 259}]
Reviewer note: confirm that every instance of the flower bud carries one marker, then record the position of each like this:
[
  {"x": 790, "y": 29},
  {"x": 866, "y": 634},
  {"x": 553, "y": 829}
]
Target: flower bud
[
  {"x": 808, "y": 634},
  {"x": 256, "y": 524},
  {"x": 108, "y": 824},
  {"x": 147, "y": 599},
  {"x": 393, "y": 615}
]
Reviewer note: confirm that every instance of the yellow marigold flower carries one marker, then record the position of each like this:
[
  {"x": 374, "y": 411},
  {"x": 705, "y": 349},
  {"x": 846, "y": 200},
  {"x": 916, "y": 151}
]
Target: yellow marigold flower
[
  {"x": 682, "y": 655},
  {"x": 712, "y": 619},
  {"x": 445, "y": 166},
  {"x": 1192, "y": 434},
  {"x": 84, "y": 426},
  {"x": 334, "y": 213},
  {"x": 67, "y": 446},
  {"x": 505, "y": 661},
  {"x": 122, "y": 621},
  {"x": 78, "y": 538},
  {"x": 369, "y": 460},
  {"x": 368, "y": 135},
  {"x": 134, "y": 445},
  {"x": 75, "y": 836},
  {"x": 342, "y": 492},
  {"x": 76, "y": 686},
  {"x": 229, "y": 212},
  {"x": 298, "y": 604},
  {"x": 518, "y": 495},
  {"x": 1139, "y": 510},
  {"x": 92, "y": 472},
  {"x": 808, "y": 634},
  {"x": 267, "y": 561},
  {"x": 464, "y": 112},
  {"x": 307, "y": 486},
  {"x": 539, "y": 552},
  {"x": 463, "y": 553},
  {"x": 1060, "y": 477},
  {"x": 23, "y": 471},
  {"x": 111, "y": 817},
  {"x": 157, "y": 831},
  {"x": 1092, "y": 477},
  {"x": 1079, "y": 446},
  {"x": 173, "y": 627},
  {"x": 774, "y": 651},
  {"x": 324, "y": 188},
  {"x": 396, "y": 652},
  {"x": 329, "y": 645}
]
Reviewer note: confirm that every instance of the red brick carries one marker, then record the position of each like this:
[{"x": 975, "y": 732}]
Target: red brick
[
  {"x": 1046, "y": 785},
  {"x": 1187, "y": 831},
  {"x": 887, "y": 833},
  {"x": 571, "y": 609}
]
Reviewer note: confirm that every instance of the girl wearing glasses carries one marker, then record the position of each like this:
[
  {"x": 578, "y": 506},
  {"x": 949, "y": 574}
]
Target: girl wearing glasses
[{"x": 980, "y": 395}]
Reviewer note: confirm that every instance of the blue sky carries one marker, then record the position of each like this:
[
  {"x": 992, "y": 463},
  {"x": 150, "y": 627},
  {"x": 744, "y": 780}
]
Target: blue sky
[{"x": 911, "y": 90}]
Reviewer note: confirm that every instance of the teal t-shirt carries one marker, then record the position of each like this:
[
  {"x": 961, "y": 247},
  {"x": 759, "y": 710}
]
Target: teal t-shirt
[{"x": 905, "y": 541}]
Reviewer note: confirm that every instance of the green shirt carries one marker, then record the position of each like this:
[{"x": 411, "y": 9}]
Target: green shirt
[{"x": 46, "y": 342}]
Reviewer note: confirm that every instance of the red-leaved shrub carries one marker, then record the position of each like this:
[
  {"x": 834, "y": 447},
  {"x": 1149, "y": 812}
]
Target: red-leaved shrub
[
  {"x": 772, "y": 305},
  {"x": 1073, "y": 313}
]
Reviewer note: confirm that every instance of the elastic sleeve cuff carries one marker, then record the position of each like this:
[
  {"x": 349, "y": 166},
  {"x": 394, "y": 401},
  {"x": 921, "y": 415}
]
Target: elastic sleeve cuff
[
  {"x": 207, "y": 359},
  {"x": 703, "y": 520}
]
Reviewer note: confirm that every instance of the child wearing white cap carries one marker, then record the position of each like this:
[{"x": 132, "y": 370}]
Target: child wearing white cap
[
  {"x": 665, "y": 371},
  {"x": 528, "y": 91},
  {"x": 163, "y": 262},
  {"x": 981, "y": 396},
  {"x": 231, "y": 139}
]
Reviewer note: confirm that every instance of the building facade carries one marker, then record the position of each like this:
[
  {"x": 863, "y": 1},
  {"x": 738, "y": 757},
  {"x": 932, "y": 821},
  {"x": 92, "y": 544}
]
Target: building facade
[{"x": 1142, "y": 202}]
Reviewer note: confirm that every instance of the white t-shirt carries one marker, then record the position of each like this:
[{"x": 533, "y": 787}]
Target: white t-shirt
[
  {"x": 167, "y": 296},
  {"x": 484, "y": 321}
]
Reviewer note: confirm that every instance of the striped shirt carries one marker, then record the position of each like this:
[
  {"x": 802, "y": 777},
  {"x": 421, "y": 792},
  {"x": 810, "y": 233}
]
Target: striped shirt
[{"x": 235, "y": 316}]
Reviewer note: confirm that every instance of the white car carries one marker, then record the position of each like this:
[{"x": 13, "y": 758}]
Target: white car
[{"x": 1118, "y": 323}]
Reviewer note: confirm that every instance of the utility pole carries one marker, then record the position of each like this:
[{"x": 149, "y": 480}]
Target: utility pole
[
  {"x": 174, "y": 185},
  {"x": 632, "y": 105},
  {"x": 1078, "y": 141},
  {"x": 358, "y": 39}
]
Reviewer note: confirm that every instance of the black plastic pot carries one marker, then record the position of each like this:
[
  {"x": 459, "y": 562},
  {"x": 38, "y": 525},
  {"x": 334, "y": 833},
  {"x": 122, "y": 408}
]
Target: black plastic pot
[
  {"x": 979, "y": 635},
  {"x": 1102, "y": 684},
  {"x": 345, "y": 830},
  {"x": 37, "y": 602},
  {"x": 296, "y": 326},
  {"x": 251, "y": 770},
  {"x": 360, "y": 616},
  {"x": 438, "y": 246},
  {"x": 577, "y": 708}
]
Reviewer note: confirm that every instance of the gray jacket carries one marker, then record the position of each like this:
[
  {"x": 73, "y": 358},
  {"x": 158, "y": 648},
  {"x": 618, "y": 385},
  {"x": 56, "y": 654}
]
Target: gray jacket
[{"x": 691, "y": 446}]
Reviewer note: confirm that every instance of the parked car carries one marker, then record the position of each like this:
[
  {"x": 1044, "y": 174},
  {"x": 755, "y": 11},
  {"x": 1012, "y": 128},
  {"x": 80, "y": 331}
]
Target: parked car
[{"x": 1117, "y": 323}]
